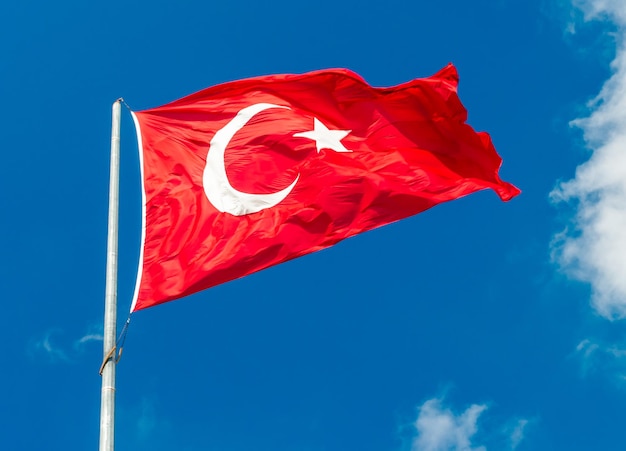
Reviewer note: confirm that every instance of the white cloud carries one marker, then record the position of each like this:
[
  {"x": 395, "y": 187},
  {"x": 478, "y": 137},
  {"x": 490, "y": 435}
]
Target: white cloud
[
  {"x": 593, "y": 249},
  {"x": 53, "y": 352},
  {"x": 57, "y": 352},
  {"x": 517, "y": 434},
  {"x": 615, "y": 9},
  {"x": 87, "y": 338},
  {"x": 439, "y": 429},
  {"x": 586, "y": 347},
  {"x": 607, "y": 360}
]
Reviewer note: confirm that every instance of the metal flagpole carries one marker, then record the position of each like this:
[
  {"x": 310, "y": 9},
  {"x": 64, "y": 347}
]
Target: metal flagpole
[{"x": 107, "y": 406}]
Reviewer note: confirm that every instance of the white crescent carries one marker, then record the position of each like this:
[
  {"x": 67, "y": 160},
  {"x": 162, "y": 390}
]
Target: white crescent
[{"x": 218, "y": 189}]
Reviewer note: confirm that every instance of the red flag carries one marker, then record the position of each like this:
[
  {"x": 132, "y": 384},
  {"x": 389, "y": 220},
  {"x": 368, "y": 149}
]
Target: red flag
[{"x": 252, "y": 173}]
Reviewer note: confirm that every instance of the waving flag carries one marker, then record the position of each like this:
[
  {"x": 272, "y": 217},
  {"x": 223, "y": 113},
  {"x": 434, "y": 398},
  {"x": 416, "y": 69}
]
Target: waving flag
[{"x": 252, "y": 173}]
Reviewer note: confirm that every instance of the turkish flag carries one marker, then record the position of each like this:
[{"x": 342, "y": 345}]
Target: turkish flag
[{"x": 252, "y": 173}]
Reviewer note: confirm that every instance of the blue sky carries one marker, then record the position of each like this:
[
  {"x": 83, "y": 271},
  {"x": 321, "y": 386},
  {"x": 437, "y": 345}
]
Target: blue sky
[{"x": 475, "y": 325}]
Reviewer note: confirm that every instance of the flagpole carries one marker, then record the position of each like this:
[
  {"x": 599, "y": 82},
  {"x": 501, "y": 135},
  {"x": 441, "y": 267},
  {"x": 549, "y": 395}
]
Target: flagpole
[{"x": 107, "y": 406}]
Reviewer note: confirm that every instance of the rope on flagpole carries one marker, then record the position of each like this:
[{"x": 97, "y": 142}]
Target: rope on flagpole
[
  {"x": 122, "y": 339},
  {"x": 126, "y": 104},
  {"x": 119, "y": 344}
]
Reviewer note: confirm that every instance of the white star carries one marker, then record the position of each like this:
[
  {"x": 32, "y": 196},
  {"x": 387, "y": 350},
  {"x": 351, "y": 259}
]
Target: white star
[{"x": 325, "y": 138}]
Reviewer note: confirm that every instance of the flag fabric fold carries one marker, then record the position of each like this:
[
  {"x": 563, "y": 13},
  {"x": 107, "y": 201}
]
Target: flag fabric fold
[{"x": 251, "y": 173}]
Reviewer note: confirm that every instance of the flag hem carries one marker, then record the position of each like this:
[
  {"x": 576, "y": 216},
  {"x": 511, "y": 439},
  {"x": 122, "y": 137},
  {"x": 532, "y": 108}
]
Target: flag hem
[{"x": 143, "y": 213}]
